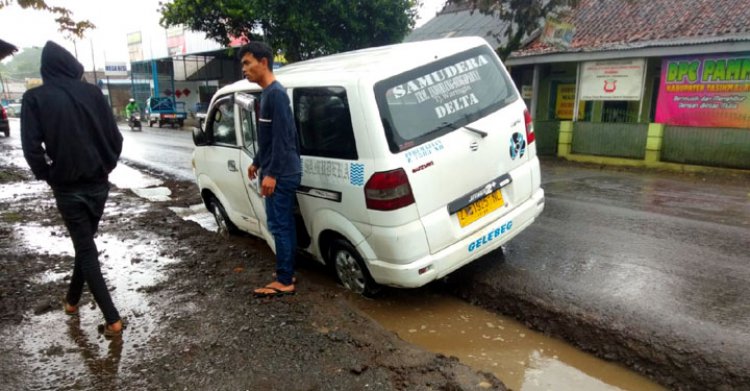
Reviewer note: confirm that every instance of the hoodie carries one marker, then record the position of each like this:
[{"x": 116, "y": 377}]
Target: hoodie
[{"x": 68, "y": 133}]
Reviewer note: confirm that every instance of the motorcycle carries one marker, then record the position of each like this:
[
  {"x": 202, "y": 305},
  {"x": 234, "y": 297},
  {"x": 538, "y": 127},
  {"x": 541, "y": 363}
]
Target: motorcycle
[{"x": 135, "y": 121}]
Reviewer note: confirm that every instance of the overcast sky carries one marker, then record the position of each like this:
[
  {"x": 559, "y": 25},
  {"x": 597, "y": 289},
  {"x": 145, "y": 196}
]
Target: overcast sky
[{"x": 114, "y": 19}]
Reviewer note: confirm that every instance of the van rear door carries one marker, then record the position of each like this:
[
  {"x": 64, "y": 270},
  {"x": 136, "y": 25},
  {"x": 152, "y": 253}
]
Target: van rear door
[{"x": 459, "y": 129}]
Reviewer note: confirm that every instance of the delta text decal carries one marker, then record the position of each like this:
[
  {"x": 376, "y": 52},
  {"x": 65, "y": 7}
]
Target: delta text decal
[
  {"x": 705, "y": 91},
  {"x": 450, "y": 88}
]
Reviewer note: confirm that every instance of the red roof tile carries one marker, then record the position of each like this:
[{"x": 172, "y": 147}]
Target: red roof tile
[{"x": 622, "y": 24}]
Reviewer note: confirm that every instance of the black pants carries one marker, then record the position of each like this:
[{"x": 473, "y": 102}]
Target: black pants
[{"x": 81, "y": 209}]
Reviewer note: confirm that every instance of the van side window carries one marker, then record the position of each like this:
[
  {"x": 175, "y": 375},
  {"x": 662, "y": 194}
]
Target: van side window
[
  {"x": 324, "y": 122},
  {"x": 222, "y": 130}
]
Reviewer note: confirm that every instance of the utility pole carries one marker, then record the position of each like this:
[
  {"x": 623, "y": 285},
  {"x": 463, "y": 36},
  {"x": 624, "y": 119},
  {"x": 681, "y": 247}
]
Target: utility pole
[
  {"x": 93, "y": 63},
  {"x": 5, "y": 86}
]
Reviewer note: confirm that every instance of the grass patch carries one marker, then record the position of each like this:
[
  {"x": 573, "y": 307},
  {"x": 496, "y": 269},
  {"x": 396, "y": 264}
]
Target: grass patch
[
  {"x": 12, "y": 217},
  {"x": 9, "y": 175}
]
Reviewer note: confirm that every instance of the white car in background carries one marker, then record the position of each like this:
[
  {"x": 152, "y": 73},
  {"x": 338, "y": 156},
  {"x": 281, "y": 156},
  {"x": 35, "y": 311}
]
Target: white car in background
[{"x": 417, "y": 159}]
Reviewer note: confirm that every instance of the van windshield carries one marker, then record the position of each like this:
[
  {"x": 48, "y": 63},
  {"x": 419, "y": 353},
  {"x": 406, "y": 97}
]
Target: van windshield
[{"x": 430, "y": 101}]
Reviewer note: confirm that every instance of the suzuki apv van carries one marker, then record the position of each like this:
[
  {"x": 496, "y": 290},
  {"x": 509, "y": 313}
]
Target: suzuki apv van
[{"x": 417, "y": 159}]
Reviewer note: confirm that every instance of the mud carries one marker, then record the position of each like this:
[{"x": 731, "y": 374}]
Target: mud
[{"x": 196, "y": 325}]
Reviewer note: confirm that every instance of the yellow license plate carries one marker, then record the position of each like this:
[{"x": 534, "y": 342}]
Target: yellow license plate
[{"x": 480, "y": 208}]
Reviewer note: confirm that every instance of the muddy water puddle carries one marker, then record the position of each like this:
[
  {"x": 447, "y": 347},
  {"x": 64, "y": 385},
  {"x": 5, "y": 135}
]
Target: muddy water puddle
[
  {"x": 524, "y": 359},
  {"x": 72, "y": 344}
]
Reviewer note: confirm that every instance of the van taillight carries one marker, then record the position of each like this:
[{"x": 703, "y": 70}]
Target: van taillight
[
  {"x": 3, "y": 114},
  {"x": 529, "y": 127},
  {"x": 388, "y": 190}
]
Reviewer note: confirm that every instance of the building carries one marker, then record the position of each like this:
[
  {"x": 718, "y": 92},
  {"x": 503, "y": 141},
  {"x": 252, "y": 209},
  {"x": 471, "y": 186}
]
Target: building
[
  {"x": 648, "y": 54},
  {"x": 644, "y": 82}
]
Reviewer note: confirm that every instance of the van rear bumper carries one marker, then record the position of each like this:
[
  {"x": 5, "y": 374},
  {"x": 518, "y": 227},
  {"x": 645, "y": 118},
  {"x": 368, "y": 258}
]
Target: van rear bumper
[{"x": 434, "y": 266}]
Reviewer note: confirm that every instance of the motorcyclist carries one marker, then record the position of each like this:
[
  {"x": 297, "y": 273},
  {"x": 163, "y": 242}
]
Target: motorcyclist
[{"x": 131, "y": 108}]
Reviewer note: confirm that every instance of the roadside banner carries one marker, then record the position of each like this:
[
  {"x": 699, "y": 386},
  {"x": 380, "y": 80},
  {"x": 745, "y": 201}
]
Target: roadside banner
[
  {"x": 612, "y": 80},
  {"x": 710, "y": 91},
  {"x": 557, "y": 33}
]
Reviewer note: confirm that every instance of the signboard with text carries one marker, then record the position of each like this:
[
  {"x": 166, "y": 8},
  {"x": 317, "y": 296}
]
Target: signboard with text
[
  {"x": 115, "y": 69},
  {"x": 705, "y": 91},
  {"x": 612, "y": 80},
  {"x": 565, "y": 102}
]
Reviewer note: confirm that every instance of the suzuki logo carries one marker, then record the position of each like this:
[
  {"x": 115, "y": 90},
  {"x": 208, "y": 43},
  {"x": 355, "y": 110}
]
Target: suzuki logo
[{"x": 474, "y": 146}]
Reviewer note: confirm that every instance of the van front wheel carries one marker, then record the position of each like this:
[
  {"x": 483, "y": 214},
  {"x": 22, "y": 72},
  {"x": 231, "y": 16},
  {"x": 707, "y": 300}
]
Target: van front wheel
[{"x": 351, "y": 269}]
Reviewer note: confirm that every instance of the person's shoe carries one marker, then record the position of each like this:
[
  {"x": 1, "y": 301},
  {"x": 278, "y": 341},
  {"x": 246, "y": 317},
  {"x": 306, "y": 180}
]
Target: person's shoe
[
  {"x": 70, "y": 310},
  {"x": 112, "y": 330}
]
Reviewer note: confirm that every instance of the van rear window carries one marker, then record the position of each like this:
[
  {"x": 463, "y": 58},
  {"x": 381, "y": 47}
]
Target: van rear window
[{"x": 427, "y": 102}]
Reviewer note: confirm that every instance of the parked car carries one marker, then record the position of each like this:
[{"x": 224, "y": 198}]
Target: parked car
[
  {"x": 417, "y": 158},
  {"x": 4, "y": 125},
  {"x": 13, "y": 109}
]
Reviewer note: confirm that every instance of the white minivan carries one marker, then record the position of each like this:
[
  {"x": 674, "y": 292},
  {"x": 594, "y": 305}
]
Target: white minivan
[{"x": 417, "y": 158}]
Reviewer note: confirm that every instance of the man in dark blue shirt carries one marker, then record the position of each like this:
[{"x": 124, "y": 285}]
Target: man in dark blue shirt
[{"x": 277, "y": 161}]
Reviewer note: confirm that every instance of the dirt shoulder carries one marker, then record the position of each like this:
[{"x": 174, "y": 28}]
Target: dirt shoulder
[{"x": 198, "y": 327}]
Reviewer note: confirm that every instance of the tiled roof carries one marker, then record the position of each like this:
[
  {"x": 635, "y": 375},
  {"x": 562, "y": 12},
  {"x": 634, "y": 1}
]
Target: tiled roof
[
  {"x": 456, "y": 21},
  {"x": 627, "y": 24}
]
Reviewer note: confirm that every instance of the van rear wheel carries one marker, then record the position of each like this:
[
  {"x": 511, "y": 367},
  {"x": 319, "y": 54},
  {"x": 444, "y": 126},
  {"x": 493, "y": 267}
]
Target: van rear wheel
[
  {"x": 226, "y": 227},
  {"x": 351, "y": 269}
]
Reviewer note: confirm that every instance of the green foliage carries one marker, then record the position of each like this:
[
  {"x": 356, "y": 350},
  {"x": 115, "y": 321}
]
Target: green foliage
[
  {"x": 302, "y": 29},
  {"x": 25, "y": 63},
  {"x": 64, "y": 17},
  {"x": 525, "y": 16}
]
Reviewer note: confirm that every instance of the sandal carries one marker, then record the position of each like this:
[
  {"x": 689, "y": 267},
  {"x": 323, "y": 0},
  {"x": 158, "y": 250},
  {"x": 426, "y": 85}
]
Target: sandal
[
  {"x": 70, "y": 310},
  {"x": 275, "y": 289},
  {"x": 108, "y": 332}
]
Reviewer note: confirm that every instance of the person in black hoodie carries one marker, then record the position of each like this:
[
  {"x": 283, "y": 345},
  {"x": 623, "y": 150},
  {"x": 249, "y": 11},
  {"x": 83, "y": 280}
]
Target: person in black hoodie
[{"x": 70, "y": 139}]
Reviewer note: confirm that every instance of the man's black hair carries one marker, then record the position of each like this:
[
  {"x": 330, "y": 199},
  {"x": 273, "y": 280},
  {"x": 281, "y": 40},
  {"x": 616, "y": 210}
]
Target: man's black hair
[{"x": 259, "y": 50}]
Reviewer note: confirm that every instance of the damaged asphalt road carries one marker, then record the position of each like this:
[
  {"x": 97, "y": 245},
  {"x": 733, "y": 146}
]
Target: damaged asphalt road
[{"x": 192, "y": 322}]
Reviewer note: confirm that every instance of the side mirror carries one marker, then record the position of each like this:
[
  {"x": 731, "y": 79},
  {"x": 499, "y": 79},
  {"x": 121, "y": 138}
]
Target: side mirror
[{"x": 199, "y": 137}]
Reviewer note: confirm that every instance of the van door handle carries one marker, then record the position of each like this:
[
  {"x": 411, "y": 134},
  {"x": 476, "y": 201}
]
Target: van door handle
[{"x": 231, "y": 165}]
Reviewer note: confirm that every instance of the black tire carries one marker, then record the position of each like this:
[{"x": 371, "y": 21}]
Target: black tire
[
  {"x": 161, "y": 123},
  {"x": 7, "y": 133},
  {"x": 351, "y": 269},
  {"x": 226, "y": 227},
  {"x": 180, "y": 123}
]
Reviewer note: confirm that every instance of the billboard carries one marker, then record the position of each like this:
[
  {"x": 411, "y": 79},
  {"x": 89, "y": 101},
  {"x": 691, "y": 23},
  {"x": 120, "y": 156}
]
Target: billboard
[
  {"x": 135, "y": 50},
  {"x": 705, "y": 91},
  {"x": 176, "y": 40},
  {"x": 612, "y": 80}
]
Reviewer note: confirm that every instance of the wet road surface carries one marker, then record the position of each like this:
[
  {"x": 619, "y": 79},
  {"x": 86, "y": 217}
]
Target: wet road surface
[
  {"x": 651, "y": 261},
  {"x": 655, "y": 258}
]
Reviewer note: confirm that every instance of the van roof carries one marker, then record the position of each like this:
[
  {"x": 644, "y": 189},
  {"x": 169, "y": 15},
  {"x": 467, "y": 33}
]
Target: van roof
[{"x": 376, "y": 63}]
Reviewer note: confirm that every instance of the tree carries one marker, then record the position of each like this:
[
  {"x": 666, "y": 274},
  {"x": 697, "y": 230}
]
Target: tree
[
  {"x": 524, "y": 16},
  {"x": 64, "y": 16},
  {"x": 23, "y": 65},
  {"x": 302, "y": 29}
]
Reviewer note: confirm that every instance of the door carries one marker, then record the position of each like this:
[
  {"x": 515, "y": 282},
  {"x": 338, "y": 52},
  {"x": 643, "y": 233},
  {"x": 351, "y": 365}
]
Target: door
[
  {"x": 222, "y": 165},
  {"x": 248, "y": 107}
]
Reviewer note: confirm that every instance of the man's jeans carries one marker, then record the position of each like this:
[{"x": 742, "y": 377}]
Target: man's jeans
[
  {"x": 280, "y": 213},
  {"x": 81, "y": 209}
]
